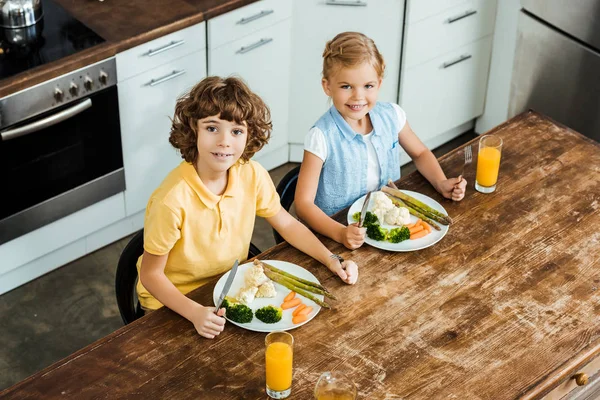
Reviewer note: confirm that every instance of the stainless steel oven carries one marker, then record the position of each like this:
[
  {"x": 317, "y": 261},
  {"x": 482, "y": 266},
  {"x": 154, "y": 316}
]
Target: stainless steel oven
[{"x": 60, "y": 148}]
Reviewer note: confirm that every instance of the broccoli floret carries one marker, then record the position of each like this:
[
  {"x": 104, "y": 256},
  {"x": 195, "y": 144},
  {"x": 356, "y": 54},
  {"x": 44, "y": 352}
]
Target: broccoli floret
[
  {"x": 237, "y": 312},
  {"x": 370, "y": 218},
  {"x": 398, "y": 235},
  {"x": 269, "y": 314},
  {"x": 376, "y": 232}
]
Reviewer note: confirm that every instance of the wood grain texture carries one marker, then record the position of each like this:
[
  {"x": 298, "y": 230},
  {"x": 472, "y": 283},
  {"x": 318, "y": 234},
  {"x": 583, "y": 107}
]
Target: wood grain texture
[
  {"x": 506, "y": 306},
  {"x": 123, "y": 24}
]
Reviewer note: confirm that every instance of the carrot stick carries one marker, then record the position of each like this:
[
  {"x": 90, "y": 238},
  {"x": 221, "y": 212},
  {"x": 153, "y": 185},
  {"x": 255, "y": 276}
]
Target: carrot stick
[
  {"x": 292, "y": 303},
  {"x": 409, "y": 226},
  {"x": 416, "y": 229},
  {"x": 426, "y": 226},
  {"x": 419, "y": 220},
  {"x": 304, "y": 311},
  {"x": 299, "y": 318},
  {"x": 419, "y": 234},
  {"x": 290, "y": 296},
  {"x": 298, "y": 309}
]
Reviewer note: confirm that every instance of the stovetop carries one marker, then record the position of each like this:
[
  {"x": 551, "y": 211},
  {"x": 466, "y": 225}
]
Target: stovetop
[{"x": 55, "y": 36}]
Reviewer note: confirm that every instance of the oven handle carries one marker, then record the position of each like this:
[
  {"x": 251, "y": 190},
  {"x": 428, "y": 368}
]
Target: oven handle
[{"x": 46, "y": 122}]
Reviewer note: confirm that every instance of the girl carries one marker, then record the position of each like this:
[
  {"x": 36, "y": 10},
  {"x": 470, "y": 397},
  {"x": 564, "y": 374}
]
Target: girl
[{"x": 353, "y": 148}]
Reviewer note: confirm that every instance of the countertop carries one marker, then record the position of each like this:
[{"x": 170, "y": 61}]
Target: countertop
[
  {"x": 123, "y": 24},
  {"x": 505, "y": 306}
]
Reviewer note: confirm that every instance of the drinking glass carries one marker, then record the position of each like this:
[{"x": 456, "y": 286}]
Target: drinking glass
[
  {"x": 335, "y": 386},
  {"x": 488, "y": 163},
  {"x": 279, "y": 354}
]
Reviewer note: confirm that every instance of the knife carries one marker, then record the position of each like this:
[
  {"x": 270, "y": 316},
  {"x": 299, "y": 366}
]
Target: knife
[
  {"x": 363, "y": 212},
  {"x": 228, "y": 283}
]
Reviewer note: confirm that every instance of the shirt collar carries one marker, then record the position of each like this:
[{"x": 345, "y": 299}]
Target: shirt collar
[
  {"x": 346, "y": 130},
  {"x": 207, "y": 197}
]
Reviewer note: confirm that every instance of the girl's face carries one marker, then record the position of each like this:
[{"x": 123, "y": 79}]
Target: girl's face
[
  {"x": 353, "y": 91},
  {"x": 220, "y": 144}
]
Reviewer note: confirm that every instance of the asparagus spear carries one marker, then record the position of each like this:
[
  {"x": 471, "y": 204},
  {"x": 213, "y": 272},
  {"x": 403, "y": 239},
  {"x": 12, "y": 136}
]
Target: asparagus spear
[
  {"x": 400, "y": 203},
  {"x": 299, "y": 285},
  {"x": 288, "y": 275},
  {"x": 288, "y": 284},
  {"x": 416, "y": 203}
]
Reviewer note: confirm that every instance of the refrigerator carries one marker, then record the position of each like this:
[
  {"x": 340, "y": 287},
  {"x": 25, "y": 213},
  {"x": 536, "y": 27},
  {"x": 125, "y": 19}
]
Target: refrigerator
[{"x": 557, "y": 63}]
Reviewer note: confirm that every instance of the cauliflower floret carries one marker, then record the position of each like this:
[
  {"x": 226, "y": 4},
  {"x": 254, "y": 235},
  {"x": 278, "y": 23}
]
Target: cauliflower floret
[
  {"x": 247, "y": 294},
  {"x": 397, "y": 216},
  {"x": 381, "y": 200},
  {"x": 267, "y": 289},
  {"x": 255, "y": 276}
]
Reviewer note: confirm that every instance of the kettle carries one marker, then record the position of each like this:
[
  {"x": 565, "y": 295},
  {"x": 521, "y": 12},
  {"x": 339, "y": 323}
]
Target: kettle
[{"x": 20, "y": 13}]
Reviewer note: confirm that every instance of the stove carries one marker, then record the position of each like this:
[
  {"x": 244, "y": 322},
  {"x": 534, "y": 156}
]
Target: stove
[{"x": 56, "y": 35}]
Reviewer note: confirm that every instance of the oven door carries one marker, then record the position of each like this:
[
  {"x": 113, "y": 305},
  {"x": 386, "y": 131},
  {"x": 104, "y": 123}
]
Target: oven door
[{"x": 60, "y": 162}]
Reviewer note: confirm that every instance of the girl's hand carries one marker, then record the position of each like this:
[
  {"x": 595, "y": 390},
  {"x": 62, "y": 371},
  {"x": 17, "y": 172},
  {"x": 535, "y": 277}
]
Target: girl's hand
[
  {"x": 347, "y": 271},
  {"x": 453, "y": 188},
  {"x": 353, "y": 236},
  {"x": 207, "y": 323}
]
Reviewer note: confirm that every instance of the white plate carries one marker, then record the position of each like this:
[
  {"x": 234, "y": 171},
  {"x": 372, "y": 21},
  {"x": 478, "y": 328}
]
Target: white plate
[
  {"x": 407, "y": 245},
  {"x": 286, "y": 321}
]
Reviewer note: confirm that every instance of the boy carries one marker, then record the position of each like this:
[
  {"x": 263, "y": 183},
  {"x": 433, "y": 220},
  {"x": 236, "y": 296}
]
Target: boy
[{"x": 200, "y": 219}]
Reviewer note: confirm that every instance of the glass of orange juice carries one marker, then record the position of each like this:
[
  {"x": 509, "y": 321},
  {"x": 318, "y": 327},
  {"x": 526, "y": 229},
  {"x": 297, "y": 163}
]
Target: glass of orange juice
[
  {"x": 279, "y": 354},
  {"x": 488, "y": 163},
  {"x": 335, "y": 386}
]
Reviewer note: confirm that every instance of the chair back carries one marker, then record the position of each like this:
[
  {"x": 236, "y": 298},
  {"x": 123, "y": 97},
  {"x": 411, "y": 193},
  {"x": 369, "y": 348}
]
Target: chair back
[
  {"x": 127, "y": 275},
  {"x": 287, "y": 190}
]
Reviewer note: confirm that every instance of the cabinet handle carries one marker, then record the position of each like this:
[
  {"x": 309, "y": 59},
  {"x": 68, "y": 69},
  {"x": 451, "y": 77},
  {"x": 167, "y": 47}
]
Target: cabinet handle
[
  {"x": 246, "y": 49},
  {"x": 466, "y": 14},
  {"x": 165, "y": 78},
  {"x": 581, "y": 378},
  {"x": 261, "y": 14},
  {"x": 169, "y": 46},
  {"x": 356, "y": 3},
  {"x": 458, "y": 60}
]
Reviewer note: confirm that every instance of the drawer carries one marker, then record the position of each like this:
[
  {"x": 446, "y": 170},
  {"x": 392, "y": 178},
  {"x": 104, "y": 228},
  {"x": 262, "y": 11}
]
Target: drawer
[
  {"x": 455, "y": 27},
  {"x": 246, "y": 20},
  {"x": 447, "y": 91},
  {"x": 577, "y": 386},
  {"x": 421, "y": 9},
  {"x": 160, "y": 51}
]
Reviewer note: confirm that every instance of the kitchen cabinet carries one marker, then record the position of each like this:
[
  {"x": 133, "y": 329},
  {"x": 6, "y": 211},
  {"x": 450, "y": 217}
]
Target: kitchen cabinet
[
  {"x": 258, "y": 51},
  {"x": 314, "y": 22},
  {"x": 146, "y": 104},
  {"x": 446, "y": 58}
]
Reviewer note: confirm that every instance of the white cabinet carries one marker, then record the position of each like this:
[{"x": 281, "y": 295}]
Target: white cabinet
[
  {"x": 146, "y": 104},
  {"x": 446, "y": 59},
  {"x": 317, "y": 21},
  {"x": 259, "y": 53}
]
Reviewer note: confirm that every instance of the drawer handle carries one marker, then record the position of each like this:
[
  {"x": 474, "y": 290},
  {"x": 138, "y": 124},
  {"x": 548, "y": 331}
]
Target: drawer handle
[
  {"x": 581, "y": 378},
  {"x": 255, "y": 17},
  {"x": 458, "y": 60},
  {"x": 165, "y": 78},
  {"x": 356, "y": 3},
  {"x": 169, "y": 46},
  {"x": 261, "y": 42},
  {"x": 459, "y": 17}
]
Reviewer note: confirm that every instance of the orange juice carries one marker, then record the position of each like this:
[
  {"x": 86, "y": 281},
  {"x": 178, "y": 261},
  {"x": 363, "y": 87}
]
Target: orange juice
[
  {"x": 279, "y": 366},
  {"x": 488, "y": 164}
]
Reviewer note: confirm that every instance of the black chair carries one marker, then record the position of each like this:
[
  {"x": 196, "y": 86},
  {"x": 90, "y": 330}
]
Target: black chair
[
  {"x": 287, "y": 190},
  {"x": 127, "y": 275}
]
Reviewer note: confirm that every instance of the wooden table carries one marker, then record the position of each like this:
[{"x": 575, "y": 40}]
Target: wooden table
[{"x": 506, "y": 306}]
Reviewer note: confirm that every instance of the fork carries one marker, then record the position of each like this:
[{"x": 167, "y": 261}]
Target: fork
[{"x": 468, "y": 160}]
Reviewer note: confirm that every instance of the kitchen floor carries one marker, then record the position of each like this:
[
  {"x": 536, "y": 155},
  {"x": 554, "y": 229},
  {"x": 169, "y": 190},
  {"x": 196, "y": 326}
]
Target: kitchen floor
[{"x": 59, "y": 313}]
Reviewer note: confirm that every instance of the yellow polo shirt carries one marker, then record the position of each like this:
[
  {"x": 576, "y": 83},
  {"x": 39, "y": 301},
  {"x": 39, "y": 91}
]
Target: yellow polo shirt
[{"x": 203, "y": 233}]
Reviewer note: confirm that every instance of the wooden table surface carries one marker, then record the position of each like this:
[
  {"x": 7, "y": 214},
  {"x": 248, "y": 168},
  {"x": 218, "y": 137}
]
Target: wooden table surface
[{"x": 505, "y": 306}]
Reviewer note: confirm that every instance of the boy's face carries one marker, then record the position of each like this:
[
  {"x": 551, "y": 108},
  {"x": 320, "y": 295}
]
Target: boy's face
[
  {"x": 353, "y": 91},
  {"x": 220, "y": 144}
]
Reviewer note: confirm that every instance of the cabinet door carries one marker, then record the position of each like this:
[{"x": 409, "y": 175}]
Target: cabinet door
[
  {"x": 262, "y": 60},
  {"x": 146, "y": 104},
  {"x": 317, "y": 21}
]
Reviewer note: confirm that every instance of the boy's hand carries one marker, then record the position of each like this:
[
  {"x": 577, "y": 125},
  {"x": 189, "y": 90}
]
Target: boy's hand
[
  {"x": 453, "y": 188},
  {"x": 207, "y": 323},
  {"x": 353, "y": 237},
  {"x": 347, "y": 271}
]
